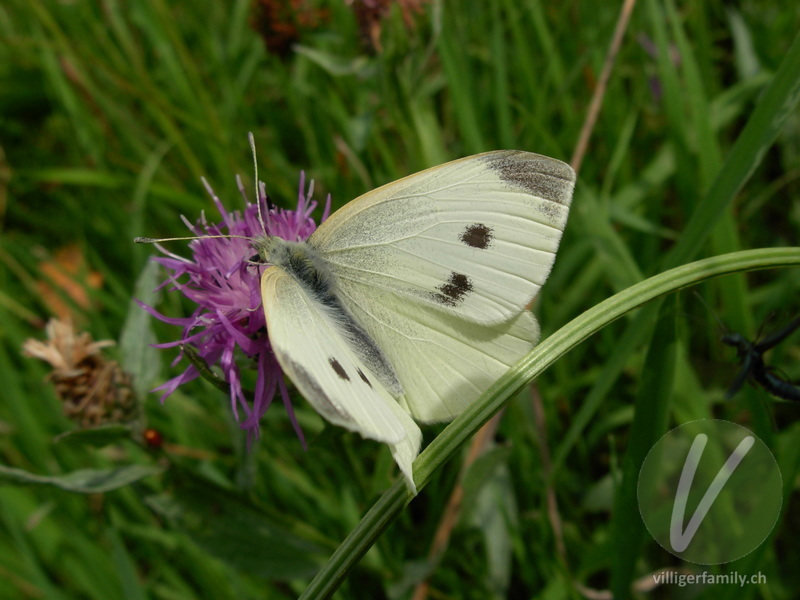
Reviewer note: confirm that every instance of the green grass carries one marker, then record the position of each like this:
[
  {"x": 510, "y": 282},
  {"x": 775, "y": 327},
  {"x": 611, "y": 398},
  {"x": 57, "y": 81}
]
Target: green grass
[{"x": 111, "y": 112}]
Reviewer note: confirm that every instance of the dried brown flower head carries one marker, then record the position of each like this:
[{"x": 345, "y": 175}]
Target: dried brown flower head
[
  {"x": 93, "y": 389},
  {"x": 281, "y": 23},
  {"x": 370, "y": 15}
]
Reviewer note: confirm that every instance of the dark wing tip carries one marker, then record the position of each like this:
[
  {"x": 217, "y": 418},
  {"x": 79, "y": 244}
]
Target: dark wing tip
[{"x": 540, "y": 175}]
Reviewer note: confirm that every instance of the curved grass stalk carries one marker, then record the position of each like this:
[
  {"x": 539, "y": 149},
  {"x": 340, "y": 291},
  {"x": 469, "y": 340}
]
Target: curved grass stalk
[{"x": 447, "y": 444}]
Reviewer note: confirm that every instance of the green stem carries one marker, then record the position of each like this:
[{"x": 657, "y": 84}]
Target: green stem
[{"x": 447, "y": 444}]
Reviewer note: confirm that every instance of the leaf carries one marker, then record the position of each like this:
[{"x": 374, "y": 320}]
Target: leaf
[
  {"x": 126, "y": 568},
  {"x": 336, "y": 65},
  {"x": 83, "y": 481},
  {"x": 236, "y": 531},
  {"x": 95, "y": 436},
  {"x": 649, "y": 424},
  {"x": 139, "y": 358},
  {"x": 480, "y": 474},
  {"x": 776, "y": 105},
  {"x": 495, "y": 514}
]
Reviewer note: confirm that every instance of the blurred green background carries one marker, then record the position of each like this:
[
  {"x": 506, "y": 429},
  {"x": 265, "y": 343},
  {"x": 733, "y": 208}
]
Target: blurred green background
[{"x": 112, "y": 111}]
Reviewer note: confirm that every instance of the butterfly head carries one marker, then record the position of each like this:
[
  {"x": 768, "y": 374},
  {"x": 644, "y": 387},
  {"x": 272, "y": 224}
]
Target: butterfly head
[{"x": 264, "y": 246}]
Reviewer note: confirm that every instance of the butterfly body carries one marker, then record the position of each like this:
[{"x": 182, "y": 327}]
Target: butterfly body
[
  {"x": 304, "y": 265},
  {"x": 410, "y": 300}
]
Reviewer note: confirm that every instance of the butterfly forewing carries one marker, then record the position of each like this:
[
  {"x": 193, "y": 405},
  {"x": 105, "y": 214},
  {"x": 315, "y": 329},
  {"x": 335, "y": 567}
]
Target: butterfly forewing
[
  {"x": 475, "y": 238},
  {"x": 309, "y": 345}
]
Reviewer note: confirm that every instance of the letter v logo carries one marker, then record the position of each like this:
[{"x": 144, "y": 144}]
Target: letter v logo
[
  {"x": 680, "y": 540},
  {"x": 710, "y": 491}
]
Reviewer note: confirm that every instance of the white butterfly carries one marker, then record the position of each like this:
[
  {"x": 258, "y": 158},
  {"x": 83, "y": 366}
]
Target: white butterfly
[{"x": 409, "y": 302}]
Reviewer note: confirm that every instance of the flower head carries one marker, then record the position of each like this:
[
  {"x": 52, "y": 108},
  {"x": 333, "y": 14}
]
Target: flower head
[
  {"x": 224, "y": 283},
  {"x": 93, "y": 389}
]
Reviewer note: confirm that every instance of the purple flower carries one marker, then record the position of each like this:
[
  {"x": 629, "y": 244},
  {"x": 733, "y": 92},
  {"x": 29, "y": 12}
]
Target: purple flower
[{"x": 224, "y": 282}]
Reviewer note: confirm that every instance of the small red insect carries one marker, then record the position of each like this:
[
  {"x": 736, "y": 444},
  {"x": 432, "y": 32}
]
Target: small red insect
[{"x": 153, "y": 438}]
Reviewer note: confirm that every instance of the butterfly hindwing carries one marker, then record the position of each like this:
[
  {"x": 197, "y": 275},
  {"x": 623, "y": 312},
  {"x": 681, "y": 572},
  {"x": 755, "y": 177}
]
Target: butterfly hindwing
[
  {"x": 443, "y": 362},
  {"x": 475, "y": 237}
]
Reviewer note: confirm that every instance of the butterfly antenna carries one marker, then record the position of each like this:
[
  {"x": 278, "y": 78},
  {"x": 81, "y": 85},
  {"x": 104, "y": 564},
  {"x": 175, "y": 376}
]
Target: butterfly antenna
[
  {"x": 147, "y": 240},
  {"x": 252, "y": 140}
]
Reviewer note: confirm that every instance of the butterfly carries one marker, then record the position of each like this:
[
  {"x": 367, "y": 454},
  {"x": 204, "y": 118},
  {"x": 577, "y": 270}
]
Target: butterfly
[{"x": 406, "y": 304}]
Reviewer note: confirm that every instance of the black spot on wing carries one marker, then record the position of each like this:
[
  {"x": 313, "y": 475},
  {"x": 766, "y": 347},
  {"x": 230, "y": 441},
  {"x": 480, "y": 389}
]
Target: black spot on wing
[
  {"x": 364, "y": 378},
  {"x": 477, "y": 236},
  {"x": 338, "y": 368},
  {"x": 370, "y": 354},
  {"x": 453, "y": 292}
]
